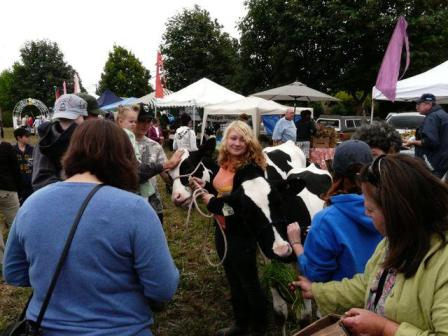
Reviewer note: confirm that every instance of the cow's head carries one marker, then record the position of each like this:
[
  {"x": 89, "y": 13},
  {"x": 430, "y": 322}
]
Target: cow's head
[
  {"x": 299, "y": 188},
  {"x": 182, "y": 193}
]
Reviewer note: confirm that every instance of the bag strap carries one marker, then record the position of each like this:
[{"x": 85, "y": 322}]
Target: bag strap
[
  {"x": 380, "y": 288},
  {"x": 64, "y": 255}
]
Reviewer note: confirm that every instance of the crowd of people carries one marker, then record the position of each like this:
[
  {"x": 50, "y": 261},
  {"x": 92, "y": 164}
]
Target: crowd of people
[{"x": 376, "y": 253}]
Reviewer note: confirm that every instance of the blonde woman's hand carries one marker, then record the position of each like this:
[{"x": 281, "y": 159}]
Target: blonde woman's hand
[
  {"x": 196, "y": 183},
  {"x": 206, "y": 197}
]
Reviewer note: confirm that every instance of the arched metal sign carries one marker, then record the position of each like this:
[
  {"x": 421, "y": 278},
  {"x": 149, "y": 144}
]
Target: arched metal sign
[{"x": 20, "y": 106}]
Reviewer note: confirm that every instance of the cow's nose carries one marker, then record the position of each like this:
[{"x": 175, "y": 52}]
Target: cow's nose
[{"x": 178, "y": 199}]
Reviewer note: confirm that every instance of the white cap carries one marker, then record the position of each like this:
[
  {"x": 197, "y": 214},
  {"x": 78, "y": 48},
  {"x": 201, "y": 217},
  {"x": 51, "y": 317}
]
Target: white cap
[{"x": 69, "y": 106}]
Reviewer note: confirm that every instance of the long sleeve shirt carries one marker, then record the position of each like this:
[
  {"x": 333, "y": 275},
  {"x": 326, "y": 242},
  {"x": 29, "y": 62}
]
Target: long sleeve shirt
[{"x": 118, "y": 260}]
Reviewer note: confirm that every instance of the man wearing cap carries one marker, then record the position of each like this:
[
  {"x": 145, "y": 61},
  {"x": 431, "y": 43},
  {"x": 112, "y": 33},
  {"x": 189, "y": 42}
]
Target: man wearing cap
[
  {"x": 431, "y": 142},
  {"x": 93, "y": 109},
  {"x": 151, "y": 152},
  {"x": 24, "y": 153},
  {"x": 69, "y": 111},
  {"x": 285, "y": 129}
]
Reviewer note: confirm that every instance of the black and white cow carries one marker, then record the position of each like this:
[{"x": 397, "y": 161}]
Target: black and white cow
[{"x": 298, "y": 197}]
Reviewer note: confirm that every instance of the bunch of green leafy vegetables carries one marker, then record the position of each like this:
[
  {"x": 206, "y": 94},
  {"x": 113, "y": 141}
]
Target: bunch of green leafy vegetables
[{"x": 279, "y": 275}]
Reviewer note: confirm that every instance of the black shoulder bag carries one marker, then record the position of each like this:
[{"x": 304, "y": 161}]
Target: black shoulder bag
[{"x": 24, "y": 327}]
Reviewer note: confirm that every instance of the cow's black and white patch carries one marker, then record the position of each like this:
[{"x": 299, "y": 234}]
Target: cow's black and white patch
[{"x": 295, "y": 199}]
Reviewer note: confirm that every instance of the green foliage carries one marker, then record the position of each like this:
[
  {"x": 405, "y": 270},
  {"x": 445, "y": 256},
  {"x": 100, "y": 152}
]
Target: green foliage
[
  {"x": 41, "y": 69},
  {"x": 279, "y": 275},
  {"x": 6, "y": 81},
  {"x": 194, "y": 47},
  {"x": 124, "y": 74},
  {"x": 7, "y": 118},
  {"x": 335, "y": 45}
]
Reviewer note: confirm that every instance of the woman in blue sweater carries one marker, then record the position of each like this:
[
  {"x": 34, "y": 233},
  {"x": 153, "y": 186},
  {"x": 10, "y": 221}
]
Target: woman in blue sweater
[
  {"x": 119, "y": 259},
  {"x": 341, "y": 238}
]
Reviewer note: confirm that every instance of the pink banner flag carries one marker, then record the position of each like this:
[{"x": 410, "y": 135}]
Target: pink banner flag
[
  {"x": 387, "y": 78},
  {"x": 76, "y": 86},
  {"x": 64, "y": 87},
  {"x": 159, "y": 69}
]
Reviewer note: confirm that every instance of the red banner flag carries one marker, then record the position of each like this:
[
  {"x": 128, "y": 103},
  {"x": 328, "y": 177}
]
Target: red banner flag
[
  {"x": 387, "y": 78},
  {"x": 64, "y": 87},
  {"x": 159, "y": 85}
]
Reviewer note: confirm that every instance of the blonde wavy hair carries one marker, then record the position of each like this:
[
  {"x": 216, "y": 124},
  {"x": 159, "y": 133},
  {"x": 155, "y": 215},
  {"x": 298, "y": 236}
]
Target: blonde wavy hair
[{"x": 253, "y": 153}]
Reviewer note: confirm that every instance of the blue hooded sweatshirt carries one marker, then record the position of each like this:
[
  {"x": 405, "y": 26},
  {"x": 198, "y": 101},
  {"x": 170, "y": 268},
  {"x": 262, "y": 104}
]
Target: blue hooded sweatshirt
[{"x": 340, "y": 242}]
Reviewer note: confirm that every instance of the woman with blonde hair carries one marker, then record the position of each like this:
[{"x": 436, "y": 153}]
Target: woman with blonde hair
[{"x": 240, "y": 156}]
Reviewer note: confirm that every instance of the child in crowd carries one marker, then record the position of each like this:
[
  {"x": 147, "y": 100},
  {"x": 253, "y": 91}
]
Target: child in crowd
[{"x": 127, "y": 120}]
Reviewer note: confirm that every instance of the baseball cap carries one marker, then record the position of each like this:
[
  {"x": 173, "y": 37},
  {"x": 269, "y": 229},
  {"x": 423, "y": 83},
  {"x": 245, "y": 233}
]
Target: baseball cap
[
  {"x": 145, "y": 114},
  {"x": 92, "y": 104},
  {"x": 349, "y": 153},
  {"x": 427, "y": 97},
  {"x": 20, "y": 132},
  {"x": 70, "y": 106}
]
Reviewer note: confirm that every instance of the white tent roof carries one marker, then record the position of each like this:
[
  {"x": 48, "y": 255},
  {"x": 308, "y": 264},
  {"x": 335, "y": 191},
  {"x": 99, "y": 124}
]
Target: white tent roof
[
  {"x": 201, "y": 93},
  {"x": 151, "y": 97},
  {"x": 252, "y": 106},
  {"x": 433, "y": 81}
]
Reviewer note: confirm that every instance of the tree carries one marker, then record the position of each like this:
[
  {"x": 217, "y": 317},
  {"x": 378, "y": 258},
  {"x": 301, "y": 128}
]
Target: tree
[
  {"x": 124, "y": 74},
  {"x": 194, "y": 47},
  {"x": 335, "y": 45},
  {"x": 41, "y": 69},
  {"x": 6, "y": 80}
]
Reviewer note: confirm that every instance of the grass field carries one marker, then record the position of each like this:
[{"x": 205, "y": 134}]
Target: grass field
[{"x": 201, "y": 304}]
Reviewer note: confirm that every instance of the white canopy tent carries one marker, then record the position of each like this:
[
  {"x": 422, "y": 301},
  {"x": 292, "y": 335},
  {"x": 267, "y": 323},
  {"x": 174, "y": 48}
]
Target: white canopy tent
[
  {"x": 433, "y": 81},
  {"x": 150, "y": 98},
  {"x": 252, "y": 106},
  {"x": 199, "y": 94}
]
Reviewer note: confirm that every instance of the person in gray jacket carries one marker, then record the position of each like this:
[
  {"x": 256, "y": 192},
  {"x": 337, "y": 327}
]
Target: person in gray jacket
[
  {"x": 55, "y": 135},
  {"x": 431, "y": 142}
]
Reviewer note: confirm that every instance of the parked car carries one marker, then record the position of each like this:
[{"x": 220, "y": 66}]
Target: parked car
[
  {"x": 405, "y": 122},
  {"x": 345, "y": 126}
]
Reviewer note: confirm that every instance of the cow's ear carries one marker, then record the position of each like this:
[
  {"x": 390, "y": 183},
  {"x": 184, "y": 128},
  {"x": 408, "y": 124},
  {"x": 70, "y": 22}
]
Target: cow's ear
[
  {"x": 295, "y": 184},
  {"x": 208, "y": 147}
]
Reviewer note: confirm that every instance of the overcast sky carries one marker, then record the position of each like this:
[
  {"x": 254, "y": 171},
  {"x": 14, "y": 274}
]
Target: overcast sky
[{"x": 86, "y": 30}]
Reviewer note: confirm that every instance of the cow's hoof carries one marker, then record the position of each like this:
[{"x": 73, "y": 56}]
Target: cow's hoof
[{"x": 233, "y": 330}]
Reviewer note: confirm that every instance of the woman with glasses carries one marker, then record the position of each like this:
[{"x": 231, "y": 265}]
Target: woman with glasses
[
  {"x": 342, "y": 238},
  {"x": 404, "y": 288}
]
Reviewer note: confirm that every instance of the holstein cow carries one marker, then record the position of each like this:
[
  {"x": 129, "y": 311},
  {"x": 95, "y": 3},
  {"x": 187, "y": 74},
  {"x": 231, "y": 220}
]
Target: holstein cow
[{"x": 297, "y": 200}]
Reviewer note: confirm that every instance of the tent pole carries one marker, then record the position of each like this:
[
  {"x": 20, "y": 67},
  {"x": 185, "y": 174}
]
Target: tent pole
[
  {"x": 372, "y": 108},
  {"x": 194, "y": 114}
]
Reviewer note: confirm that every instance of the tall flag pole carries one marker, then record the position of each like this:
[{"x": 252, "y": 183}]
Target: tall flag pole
[
  {"x": 64, "y": 87},
  {"x": 159, "y": 85},
  {"x": 76, "y": 86},
  {"x": 387, "y": 78},
  {"x": 57, "y": 93}
]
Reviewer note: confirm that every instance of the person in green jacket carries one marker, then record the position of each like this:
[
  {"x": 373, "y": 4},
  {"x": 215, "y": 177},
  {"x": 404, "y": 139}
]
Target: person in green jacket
[{"x": 404, "y": 287}]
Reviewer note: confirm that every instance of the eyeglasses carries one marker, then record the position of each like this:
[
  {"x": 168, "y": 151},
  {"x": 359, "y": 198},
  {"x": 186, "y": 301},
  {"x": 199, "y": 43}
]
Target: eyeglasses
[{"x": 374, "y": 175}]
